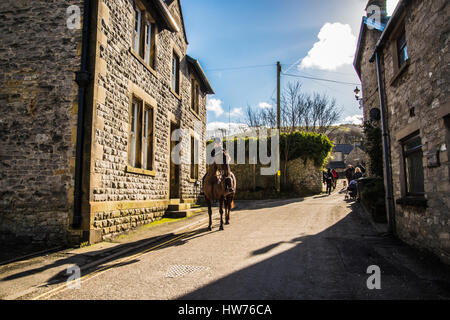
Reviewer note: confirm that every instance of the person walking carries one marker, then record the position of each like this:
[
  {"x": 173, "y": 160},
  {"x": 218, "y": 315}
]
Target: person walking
[
  {"x": 328, "y": 177},
  {"x": 358, "y": 174},
  {"x": 335, "y": 178},
  {"x": 349, "y": 173},
  {"x": 361, "y": 167}
]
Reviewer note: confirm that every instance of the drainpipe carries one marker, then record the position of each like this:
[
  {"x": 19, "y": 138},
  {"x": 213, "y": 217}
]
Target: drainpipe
[
  {"x": 386, "y": 148},
  {"x": 82, "y": 79}
]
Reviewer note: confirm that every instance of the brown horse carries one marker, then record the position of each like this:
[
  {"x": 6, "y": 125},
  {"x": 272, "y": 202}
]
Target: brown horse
[{"x": 220, "y": 184}]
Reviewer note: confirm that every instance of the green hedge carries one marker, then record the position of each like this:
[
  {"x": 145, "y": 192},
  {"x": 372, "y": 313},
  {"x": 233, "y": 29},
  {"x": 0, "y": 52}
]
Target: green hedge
[{"x": 304, "y": 145}]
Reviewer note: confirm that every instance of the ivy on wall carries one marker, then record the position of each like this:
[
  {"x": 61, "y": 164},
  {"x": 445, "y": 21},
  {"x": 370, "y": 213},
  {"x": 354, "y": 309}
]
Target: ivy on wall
[{"x": 372, "y": 144}]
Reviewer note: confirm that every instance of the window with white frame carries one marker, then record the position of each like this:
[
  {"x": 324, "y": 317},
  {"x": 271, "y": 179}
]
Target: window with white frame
[
  {"x": 175, "y": 73},
  {"x": 140, "y": 151},
  {"x": 144, "y": 34}
]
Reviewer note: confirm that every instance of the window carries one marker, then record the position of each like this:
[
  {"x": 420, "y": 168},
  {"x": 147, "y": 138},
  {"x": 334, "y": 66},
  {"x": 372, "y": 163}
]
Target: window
[
  {"x": 195, "y": 95},
  {"x": 402, "y": 49},
  {"x": 149, "y": 44},
  {"x": 137, "y": 29},
  {"x": 194, "y": 158},
  {"x": 175, "y": 73},
  {"x": 140, "y": 152},
  {"x": 144, "y": 35},
  {"x": 413, "y": 164}
]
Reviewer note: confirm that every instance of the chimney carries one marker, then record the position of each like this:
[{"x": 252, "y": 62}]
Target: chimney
[{"x": 381, "y": 4}]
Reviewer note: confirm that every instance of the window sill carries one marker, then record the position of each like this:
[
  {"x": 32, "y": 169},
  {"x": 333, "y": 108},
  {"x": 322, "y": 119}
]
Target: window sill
[
  {"x": 175, "y": 94},
  {"x": 196, "y": 114},
  {"x": 400, "y": 72},
  {"x": 142, "y": 61},
  {"x": 144, "y": 172},
  {"x": 413, "y": 201}
]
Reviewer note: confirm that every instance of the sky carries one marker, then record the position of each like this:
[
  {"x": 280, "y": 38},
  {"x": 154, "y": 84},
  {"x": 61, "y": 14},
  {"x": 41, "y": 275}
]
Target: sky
[{"x": 238, "y": 43}]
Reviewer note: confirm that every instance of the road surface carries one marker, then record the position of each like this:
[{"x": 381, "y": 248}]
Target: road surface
[{"x": 313, "y": 248}]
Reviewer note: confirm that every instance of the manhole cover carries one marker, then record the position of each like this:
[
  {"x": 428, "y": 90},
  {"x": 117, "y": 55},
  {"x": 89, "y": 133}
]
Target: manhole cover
[{"x": 177, "y": 271}]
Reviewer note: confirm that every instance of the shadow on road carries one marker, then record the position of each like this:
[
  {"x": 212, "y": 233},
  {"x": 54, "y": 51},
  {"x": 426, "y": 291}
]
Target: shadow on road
[
  {"x": 329, "y": 265},
  {"x": 154, "y": 243},
  {"x": 333, "y": 265}
]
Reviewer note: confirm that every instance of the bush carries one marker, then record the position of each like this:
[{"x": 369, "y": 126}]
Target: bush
[{"x": 304, "y": 145}]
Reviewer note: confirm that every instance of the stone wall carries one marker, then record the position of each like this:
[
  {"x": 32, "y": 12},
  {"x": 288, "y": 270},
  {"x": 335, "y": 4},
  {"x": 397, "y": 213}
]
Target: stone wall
[
  {"x": 121, "y": 74},
  {"x": 356, "y": 156},
  {"x": 424, "y": 85},
  {"x": 113, "y": 223},
  {"x": 417, "y": 100},
  {"x": 39, "y": 56},
  {"x": 303, "y": 178},
  {"x": 369, "y": 90}
]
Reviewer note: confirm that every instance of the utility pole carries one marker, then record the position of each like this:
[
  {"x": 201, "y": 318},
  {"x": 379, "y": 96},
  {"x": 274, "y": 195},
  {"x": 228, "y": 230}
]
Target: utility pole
[
  {"x": 278, "y": 96},
  {"x": 278, "y": 123}
]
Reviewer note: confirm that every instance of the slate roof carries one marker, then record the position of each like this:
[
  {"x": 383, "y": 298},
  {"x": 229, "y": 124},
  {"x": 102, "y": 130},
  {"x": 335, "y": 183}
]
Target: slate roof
[
  {"x": 344, "y": 148},
  {"x": 196, "y": 65}
]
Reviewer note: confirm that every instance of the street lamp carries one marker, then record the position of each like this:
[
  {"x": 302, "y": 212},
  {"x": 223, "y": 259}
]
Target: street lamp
[{"x": 358, "y": 96}]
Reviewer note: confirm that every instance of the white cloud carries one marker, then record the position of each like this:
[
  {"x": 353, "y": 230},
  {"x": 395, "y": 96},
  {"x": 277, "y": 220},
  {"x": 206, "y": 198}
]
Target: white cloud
[
  {"x": 236, "y": 112},
  {"x": 213, "y": 129},
  {"x": 215, "y": 105},
  {"x": 264, "y": 105},
  {"x": 355, "y": 119},
  {"x": 336, "y": 47}
]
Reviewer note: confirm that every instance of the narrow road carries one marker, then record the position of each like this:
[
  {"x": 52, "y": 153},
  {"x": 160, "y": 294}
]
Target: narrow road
[{"x": 314, "y": 248}]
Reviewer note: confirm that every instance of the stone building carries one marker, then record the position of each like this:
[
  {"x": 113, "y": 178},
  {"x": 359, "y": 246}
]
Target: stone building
[
  {"x": 92, "y": 93},
  {"x": 413, "y": 59},
  {"x": 344, "y": 155},
  {"x": 339, "y": 156}
]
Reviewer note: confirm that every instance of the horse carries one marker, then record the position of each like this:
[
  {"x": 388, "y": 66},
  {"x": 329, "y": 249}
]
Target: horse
[{"x": 218, "y": 186}]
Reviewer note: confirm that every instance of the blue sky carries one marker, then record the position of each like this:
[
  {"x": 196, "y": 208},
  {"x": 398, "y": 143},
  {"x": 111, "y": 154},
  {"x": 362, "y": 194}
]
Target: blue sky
[{"x": 230, "y": 37}]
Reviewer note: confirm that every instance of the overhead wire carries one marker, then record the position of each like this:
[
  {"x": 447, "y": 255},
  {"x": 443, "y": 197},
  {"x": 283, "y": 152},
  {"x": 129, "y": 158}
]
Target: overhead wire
[{"x": 321, "y": 79}]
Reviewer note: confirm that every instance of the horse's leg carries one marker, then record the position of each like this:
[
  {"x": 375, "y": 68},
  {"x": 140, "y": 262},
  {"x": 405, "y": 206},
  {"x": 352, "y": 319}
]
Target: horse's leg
[
  {"x": 208, "y": 202},
  {"x": 222, "y": 200},
  {"x": 228, "y": 209}
]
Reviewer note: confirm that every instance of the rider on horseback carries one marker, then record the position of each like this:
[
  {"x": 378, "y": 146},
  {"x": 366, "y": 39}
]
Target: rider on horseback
[{"x": 215, "y": 153}]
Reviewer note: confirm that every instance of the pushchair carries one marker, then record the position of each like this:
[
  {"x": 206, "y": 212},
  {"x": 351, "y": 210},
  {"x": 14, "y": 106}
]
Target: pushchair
[{"x": 352, "y": 190}]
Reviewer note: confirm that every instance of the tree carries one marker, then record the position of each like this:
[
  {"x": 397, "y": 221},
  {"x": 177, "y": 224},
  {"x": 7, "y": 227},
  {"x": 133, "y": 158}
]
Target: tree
[{"x": 299, "y": 112}]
